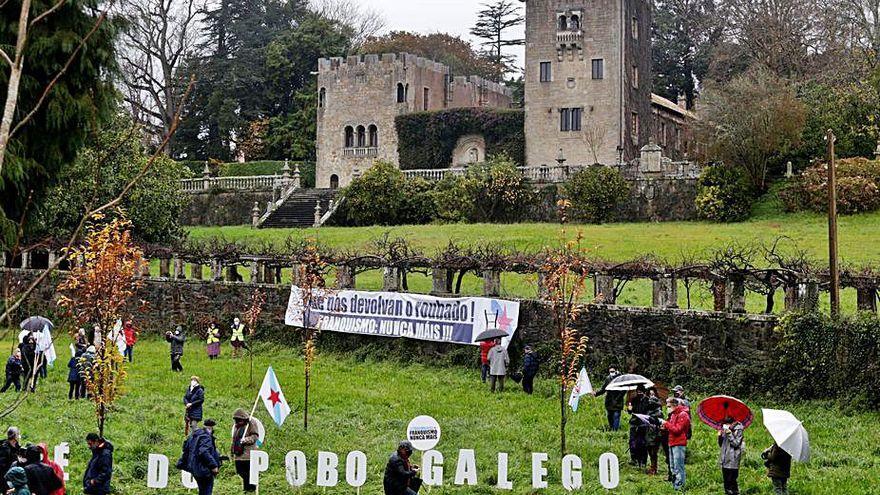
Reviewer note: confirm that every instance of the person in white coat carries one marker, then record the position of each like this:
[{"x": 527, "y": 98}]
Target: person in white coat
[{"x": 498, "y": 362}]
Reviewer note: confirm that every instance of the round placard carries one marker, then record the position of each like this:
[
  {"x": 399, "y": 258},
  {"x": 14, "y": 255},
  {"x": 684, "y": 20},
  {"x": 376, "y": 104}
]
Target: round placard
[{"x": 423, "y": 433}]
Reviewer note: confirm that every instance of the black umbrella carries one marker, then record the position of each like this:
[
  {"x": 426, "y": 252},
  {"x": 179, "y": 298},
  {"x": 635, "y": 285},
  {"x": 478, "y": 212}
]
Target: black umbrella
[
  {"x": 36, "y": 324},
  {"x": 491, "y": 334}
]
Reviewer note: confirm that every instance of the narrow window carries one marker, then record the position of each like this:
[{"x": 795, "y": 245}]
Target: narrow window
[
  {"x": 361, "y": 137},
  {"x": 635, "y": 127},
  {"x": 322, "y": 97},
  {"x": 635, "y": 76},
  {"x": 401, "y": 93},
  {"x": 575, "y": 23},
  {"x": 563, "y": 23},
  {"x": 576, "y": 119},
  {"x": 349, "y": 137},
  {"x": 678, "y": 138},
  {"x": 427, "y": 99},
  {"x": 663, "y": 134},
  {"x": 374, "y": 136},
  {"x": 406, "y": 92},
  {"x": 564, "y": 119},
  {"x": 635, "y": 28},
  {"x": 546, "y": 74},
  {"x": 598, "y": 68}
]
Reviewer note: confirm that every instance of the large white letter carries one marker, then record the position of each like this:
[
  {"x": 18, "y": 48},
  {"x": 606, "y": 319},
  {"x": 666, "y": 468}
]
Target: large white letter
[
  {"x": 503, "y": 483},
  {"x": 466, "y": 470},
  {"x": 60, "y": 458},
  {"x": 259, "y": 464},
  {"x": 187, "y": 480},
  {"x": 356, "y": 469},
  {"x": 572, "y": 479},
  {"x": 327, "y": 473},
  {"x": 538, "y": 470},
  {"x": 609, "y": 470},
  {"x": 295, "y": 468},
  {"x": 157, "y": 471},
  {"x": 432, "y": 468}
]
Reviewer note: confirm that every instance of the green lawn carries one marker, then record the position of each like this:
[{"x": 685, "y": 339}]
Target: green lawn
[
  {"x": 859, "y": 246},
  {"x": 367, "y": 405}
]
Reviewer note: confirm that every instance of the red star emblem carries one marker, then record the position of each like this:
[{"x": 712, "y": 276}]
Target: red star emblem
[
  {"x": 504, "y": 321},
  {"x": 274, "y": 397}
]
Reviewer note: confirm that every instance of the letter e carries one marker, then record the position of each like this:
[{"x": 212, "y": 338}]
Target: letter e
[
  {"x": 60, "y": 458},
  {"x": 538, "y": 470}
]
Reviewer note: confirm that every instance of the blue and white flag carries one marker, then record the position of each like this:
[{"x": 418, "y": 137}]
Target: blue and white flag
[
  {"x": 273, "y": 398},
  {"x": 582, "y": 387}
]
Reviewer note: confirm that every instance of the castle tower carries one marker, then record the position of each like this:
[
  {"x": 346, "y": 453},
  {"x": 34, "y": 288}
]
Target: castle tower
[{"x": 587, "y": 80}]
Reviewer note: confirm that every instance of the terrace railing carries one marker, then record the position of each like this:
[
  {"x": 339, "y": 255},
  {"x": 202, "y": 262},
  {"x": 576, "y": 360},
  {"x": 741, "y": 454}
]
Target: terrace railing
[{"x": 243, "y": 183}]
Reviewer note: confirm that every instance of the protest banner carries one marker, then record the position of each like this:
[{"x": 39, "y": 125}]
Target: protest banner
[{"x": 392, "y": 314}]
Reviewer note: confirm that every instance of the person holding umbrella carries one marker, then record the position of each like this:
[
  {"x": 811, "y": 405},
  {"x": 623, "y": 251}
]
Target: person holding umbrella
[
  {"x": 638, "y": 430},
  {"x": 778, "y": 463},
  {"x": 498, "y": 362},
  {"x": 790, "y": 441},
  {"x": 613, "y": 399},
  {"x": 729, "y": 416}
]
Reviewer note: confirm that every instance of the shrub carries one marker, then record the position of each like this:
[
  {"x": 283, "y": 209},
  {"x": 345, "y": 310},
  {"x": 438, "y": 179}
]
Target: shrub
[
  {"x": 427, "y": 139},
  {"x": 418, "y": 202},
  {"x": 594, "y": 193},
  {"x": 858, "y": 187},
  {"x": 374, "y": 198},
  {"x": 496, "y": 191},
  {"x": 724, "y": 194},
  {"x": 447, "y": 197}
]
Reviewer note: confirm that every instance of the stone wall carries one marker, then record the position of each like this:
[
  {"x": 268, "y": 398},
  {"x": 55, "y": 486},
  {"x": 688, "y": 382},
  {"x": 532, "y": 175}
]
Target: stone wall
[
  {"x": 636, "y": 338},
  {"x": 212, "y": 208}
]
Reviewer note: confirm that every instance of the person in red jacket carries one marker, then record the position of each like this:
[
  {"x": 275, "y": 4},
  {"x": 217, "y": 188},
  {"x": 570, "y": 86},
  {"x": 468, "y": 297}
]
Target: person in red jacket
[
  {"x": 131, "y": 337},
  {"x": 678, "y": 425},
  {"x": 55, "y": 467},
  {"x": 485, "y": 347}
]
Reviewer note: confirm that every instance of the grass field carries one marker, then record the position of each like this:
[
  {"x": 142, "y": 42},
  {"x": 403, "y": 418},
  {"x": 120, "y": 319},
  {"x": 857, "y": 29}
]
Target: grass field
[
  {"x": 367, "y": 405},
  {"x": 859, "y": 246}
]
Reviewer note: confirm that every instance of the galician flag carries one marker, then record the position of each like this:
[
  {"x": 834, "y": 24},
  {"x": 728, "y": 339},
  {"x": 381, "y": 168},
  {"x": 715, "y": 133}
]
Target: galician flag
[
  {"x": 582, "y": 387},
  {"x": 273, "y": 398}
]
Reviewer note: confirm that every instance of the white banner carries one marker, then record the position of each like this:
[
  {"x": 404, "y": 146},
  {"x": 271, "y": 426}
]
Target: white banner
[{"x": 393, "y": 314}]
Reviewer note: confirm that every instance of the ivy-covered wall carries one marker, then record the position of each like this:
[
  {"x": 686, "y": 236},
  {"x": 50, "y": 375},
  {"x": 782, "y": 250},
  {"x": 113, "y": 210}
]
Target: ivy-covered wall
[{"x": 427, "y": 139}]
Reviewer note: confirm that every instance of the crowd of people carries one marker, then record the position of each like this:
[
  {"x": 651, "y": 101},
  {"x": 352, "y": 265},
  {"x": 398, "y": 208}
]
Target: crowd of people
[
  {"x": 28, "y": 470},
  {"x": 177, "y": 338}
]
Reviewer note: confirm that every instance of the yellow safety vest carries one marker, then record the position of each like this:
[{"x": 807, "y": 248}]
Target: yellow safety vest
[
  {"x": 238, "y": 333},
  {"x": 213, "y": 336}
]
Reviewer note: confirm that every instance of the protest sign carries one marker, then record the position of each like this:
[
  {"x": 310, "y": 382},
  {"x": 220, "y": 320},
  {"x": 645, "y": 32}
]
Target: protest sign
[{"x": 392, "y": 314}]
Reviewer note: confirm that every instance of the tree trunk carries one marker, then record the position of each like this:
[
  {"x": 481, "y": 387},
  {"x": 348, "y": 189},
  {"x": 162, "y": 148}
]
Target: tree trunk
[
  {"x": 306, "y": 402},
  {"x": 102, "y": 412},
  {"x": 14, "y": 80},
  {"x": 562, "y": 419}
]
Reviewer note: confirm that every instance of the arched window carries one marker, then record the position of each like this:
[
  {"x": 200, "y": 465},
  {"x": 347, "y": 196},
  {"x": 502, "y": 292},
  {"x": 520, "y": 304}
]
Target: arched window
[
  {"x": 361, "y": 137},
  {"x": 575, "y": 23},
  {"x": 401, "y": 93},
  {"x": 349, "y": 137},
  {"x": 374, "y": 136},
  {"x": 334, "y": 181},
  {"x": 322, "y": 97},
  {"x": 406, "y": 92},
  {"x": 563, "y": 23}
]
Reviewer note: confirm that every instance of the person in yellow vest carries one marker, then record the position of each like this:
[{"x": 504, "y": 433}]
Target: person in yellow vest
[
  {"x": 213, "y": 341},
  {"x": 237, "y": 339}
]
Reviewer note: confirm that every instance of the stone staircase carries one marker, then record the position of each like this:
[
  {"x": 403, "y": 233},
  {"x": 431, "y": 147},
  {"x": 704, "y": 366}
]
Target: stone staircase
[{"x": 297, "y": 210}]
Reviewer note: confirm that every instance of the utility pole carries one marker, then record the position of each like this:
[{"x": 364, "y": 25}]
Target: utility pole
[{"x": 832, "y": 227}]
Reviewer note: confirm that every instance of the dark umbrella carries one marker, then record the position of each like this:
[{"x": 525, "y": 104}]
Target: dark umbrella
[
  {"x": 714, "y": 410},
  {"x": 626, "y": 382},
  {"x": 36, "y": 324},
  {"x": 491, "y": 334},
  {"x": 644, "y": 418}
]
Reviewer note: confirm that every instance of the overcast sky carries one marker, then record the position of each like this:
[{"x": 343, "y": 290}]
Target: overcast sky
[{"x": 431, "y": 16}]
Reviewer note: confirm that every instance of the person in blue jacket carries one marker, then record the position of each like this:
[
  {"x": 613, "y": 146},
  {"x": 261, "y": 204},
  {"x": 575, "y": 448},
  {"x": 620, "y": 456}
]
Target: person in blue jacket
[
  {"x": 193, "y": 400},
  {"x": 200, "y": 457},
  {"x": 530, "y": 369},
  {"x": 99, "y": 471},
  {"x": 74, "y": 377}
]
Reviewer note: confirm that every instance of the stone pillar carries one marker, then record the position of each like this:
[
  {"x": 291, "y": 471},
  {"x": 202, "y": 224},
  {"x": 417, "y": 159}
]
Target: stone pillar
[
  {"x": 296, "y": 176},
  {"x": 719, "y": 289},
  {"x": 318, "y": 213},
  {"x": 255, "y": 215},
  {"x": 145, "y": 268},
  {"x": 440, "y": 281},
  {"x": 605, "y": 287},
  {"x": 802, "y": 296},
  {"x": 268, "y": 274},
  {"x": 543, "y": 293},
  {"x": 206, "y": 177},
  {"x": 491, "y": 283},
  {"x": 391, "y": 279},
  {"x": 195, "y": 271},
  {"x": 256, "y": 272},
  {"x": 2, "y": 259},
  {"x": 25, "y": 260},
  {"x": 665, "y": 292},
  {"x": 345, "y": 277},
  {"x": 650, "y": 158},
  {"x": 735, "y": 295},
  {"x": 216, "y": 270},
  {"x": 296, "y": 272},
  {"x": 867, "y": 299},
  {"x": 164, "y": 268},
  {"x": 179, "y": 268},
  {"x": 232, "y": 273},
  {"x": 53, "y": 257}
]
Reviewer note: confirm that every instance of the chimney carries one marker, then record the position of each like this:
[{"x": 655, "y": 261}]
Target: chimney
[{"x": 683, "y": 101}]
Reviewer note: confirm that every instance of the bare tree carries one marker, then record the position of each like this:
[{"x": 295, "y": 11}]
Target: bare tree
[
  {"x": 363, "y": 22},
  {"x": 162, "y": 35},
  {"x": 863, "y": 18},
  {"x": 594, "y": 138}
]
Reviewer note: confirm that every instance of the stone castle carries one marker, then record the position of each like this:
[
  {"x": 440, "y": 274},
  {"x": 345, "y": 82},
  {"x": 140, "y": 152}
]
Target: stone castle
[{"x": 587, "y": 95}]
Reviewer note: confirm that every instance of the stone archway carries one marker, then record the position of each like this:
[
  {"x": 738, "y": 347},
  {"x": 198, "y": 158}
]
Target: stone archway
[{"x": 469, "y": 149}]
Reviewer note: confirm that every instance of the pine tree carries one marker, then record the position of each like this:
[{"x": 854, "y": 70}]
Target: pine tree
[{"x": 492, "y": 24}]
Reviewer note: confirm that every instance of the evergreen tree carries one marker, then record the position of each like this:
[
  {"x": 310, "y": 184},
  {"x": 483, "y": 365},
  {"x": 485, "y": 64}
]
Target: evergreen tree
[
  {"x": 492, "y": 24},
  {"x": 82, "y": 98}
]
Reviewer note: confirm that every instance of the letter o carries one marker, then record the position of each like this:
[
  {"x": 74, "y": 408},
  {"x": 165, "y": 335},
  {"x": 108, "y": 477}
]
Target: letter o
[
  {"x": 295, "y": 468},
  {"x": 609, "y": 471},
  {"x": 356, "y": 469}
]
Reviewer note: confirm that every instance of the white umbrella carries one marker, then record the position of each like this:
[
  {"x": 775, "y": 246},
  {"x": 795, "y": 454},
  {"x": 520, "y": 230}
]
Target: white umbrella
[
  {"x": 626, "y": 382},
  {"x": 788, "y": 432}
]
